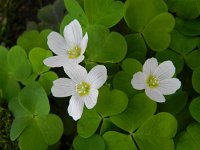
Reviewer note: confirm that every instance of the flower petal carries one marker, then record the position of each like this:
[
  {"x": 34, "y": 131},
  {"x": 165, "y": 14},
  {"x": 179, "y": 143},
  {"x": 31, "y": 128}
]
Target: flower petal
[
  {"x": 57, "y": 43},
  {"x": 56, "y": 61},
  {"x": 91, "y": 99},
  {"x": 97, "y": 76},
  {"x": 84, "y": 42},
  {"x": 169, "y": 86},
  {"x": 150, "y": 66},
  {"x": 165, "y": 70},
  {"x": 73, "y": 33},
  {"x": 77, "y": 73},
  {"x": 138, "y": 82},
  {"x": 155, "y": 95},
  {"x": 75, "y": 108},
  {"x": 63, "y": 87}
]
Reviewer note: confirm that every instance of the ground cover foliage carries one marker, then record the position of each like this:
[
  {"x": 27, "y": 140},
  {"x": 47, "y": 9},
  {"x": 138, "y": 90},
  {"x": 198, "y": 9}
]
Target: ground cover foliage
[{"x": 121, "y": 36}]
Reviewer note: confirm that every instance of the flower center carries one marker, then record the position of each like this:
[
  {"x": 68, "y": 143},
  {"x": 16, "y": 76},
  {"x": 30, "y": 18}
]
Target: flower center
[
  {"x": 74, "y": 53},
  {"x": 83, "y": 88},
  {"x": 152, "y": 81}
]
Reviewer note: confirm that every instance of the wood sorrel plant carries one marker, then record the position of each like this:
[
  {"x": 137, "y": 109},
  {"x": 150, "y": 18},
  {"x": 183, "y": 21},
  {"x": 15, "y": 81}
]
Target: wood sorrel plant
[{"x": 106, "y": 50}]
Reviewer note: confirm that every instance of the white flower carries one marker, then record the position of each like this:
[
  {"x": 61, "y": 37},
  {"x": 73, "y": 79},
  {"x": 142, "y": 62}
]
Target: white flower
[
  {"x": 69, "y": 49},
  {"x": 82, "y": 86},
  {"x": 156, "y": 79}
]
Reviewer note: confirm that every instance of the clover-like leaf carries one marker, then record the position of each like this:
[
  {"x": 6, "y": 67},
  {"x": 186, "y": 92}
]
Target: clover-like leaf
[
  {"x": 122, "y": 81},
  {"x": 187, "y": 9},
  {"x": 18, "y": 63},
  {"x": 192, "y": 59},
  {"x": 31, "y": 39},
  {"x": 33, "y": 125},
  {"x": 157, "y": 132},
  {"x": 36, "y": 57},
  {"x": 75, "y": 11},
  {"x": 168, "y": 54},
  {"x": 46, "y": 80},
  {"x": 196, "y": 79},
  {"x": 137, "y": 19},
  {"x": 111, "y": 102},
  {"x": 164, "y": 23},
  {"x": 189, "y": 139},
  {"x": 139, "y": 109},
  {"x": 181, "y": 43},
  {"x": 131, "y": 66},
  {"x": 136, "y": 47},
  {"x": 188, "y": 27},
  {"x": 52, "y": 14},
  {"x": 94, "y": 142},
  {"x": 104, "y": 46},
  {"x": 194, "y": 109},
  {"x": 41, "y": 132},
  {"x": 102, "y": 12},
  {"x": 88, "y": 123},
  {"x": 175, "y": 103},
  {"x": 118, "y": 141}
]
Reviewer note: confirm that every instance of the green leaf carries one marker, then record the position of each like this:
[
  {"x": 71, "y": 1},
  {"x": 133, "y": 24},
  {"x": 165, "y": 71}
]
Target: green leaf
[
  {"x": 104, "y": 46},
  {"x": 11, "y": 89},
  {"x": 88, "y": 123},
  {"x": 131, "y": 66},
  {"x": 157, "y": 132},
  {"x": 181, "y": 43},
  {"x": 46, "y": 80},
  {"x": 94, "y": 142},
  {"x": 75, "y": 11},
  {"x": 136, "y": 47},
  {"x": 18, "y": 63},
  {"x": 196, "y": 79},
  {"x": 118, "y": 141},
  {"x": 189, "y": 140},
  {"x": 168, "y": 54},
  {"x": 52, "y": 14},
  {"x": 192, "y": 59},
  {"x": 106, "y": 125},
  {"x": 31, "y": 39},
  {"x": 139, "y": 109},
  {"x": 175, "y": 103},
  {"x": 122, "y": 81},
  {"x": 194, "y": 109},
  {"x": 187, "y": 9},
  {"x": 161, "y": 23},
  {"x": 41, "y": 132},
  {"x": 107, "y": 13},
  {"x": 34, "y": 99},
  {"x": 3, "y": 58},
  {"x": 36, "y": 57},
  {"x": 22, "y": 118},
  {"x": 137, "y": 19},
  {"x": 188, "y": 27},
  {"x": 111, "y": 102}
]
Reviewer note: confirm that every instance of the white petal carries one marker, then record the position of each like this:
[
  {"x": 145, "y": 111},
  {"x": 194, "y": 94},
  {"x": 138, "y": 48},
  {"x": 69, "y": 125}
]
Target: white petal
[
  {"x": 150, "y": 66},
  {"x": 63, "y": 87},
  {"x": 97, "y": 76},
  {"x": 57, "y": 43},
  {"x": 75, "y": 108},
  {"x": 91, "y": 99},
  {"x": 56, "y": 61},
  {"x": 138, "y": 82},
  {"x": 169, "y": 86},
  {"x": 84, "y": 42},
  {"x": 77, "y": 73},
  {"x": 165, "y": 70},
  {"x": 155, "y": 95},
  {"x": 75, "y": 61},
  {"x": 73, "y": 33}
]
